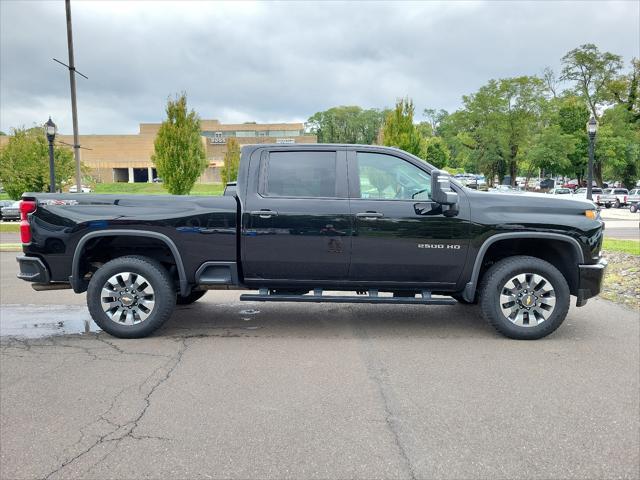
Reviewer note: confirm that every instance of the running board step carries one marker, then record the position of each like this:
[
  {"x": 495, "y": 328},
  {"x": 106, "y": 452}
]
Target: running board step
[{"x": 317, "y": 297}]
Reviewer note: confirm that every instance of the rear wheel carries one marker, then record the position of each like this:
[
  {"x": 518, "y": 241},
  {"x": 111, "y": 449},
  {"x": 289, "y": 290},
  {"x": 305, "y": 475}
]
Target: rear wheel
[
  {"x": 189, "y": 299},
  {"x": 524, "y": 297},
  {"x": 607, "y": 205},
  {"x": 131, "y": 297}
]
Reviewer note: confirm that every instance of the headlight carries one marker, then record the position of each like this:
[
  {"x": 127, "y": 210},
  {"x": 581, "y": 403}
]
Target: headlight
[{"x": 591, "y": 214}]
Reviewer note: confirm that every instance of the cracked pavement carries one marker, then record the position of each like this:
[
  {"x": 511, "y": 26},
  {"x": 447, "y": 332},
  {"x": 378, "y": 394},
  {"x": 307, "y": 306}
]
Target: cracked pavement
[{"x": 230, "y": 389}]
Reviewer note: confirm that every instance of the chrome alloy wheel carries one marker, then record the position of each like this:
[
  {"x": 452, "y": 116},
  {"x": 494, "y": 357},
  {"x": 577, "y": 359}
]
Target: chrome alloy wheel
[
  {"x": 527, "y": 300},
  {"x": 127, "y": 298}
]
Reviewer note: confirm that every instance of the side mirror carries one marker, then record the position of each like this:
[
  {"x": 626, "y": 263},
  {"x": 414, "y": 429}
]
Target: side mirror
[{"x": 441, "y": 191}]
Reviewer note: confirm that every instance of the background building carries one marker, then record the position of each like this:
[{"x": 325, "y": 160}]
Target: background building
[{"x": 127, "y": 158}]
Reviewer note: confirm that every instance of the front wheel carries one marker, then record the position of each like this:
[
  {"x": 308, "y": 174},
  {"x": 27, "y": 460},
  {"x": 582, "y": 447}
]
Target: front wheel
[
  {"x": 523, "y": 297},
  {"x": 131, "y": 297},
  {"x": 633, "y": 208}
]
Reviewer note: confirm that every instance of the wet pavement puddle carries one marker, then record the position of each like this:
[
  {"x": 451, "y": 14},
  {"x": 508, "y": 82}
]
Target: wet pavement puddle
[{"x": 36, "y": 321}]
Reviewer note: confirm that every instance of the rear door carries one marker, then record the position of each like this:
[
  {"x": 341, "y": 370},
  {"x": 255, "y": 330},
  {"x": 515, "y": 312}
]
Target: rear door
[
  {"x": 400, "y": 234},
  {"x": 296, "y": 224}
]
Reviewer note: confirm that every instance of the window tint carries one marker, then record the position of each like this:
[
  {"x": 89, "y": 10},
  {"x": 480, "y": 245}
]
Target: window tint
[
  {"x": 301, "y": 174},
  {"x": 620, "y": 191},
  {"x": 385, "y": 177}
]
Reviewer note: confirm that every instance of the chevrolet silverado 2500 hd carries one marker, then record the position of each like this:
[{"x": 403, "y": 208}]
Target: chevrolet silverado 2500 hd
[{"x": 305, "y": 219}]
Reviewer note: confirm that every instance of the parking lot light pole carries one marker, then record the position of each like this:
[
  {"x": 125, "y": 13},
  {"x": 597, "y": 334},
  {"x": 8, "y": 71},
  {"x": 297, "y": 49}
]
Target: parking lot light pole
[
  {"x": 50, "y": 130},
  {"x": 592, "y": 128}
]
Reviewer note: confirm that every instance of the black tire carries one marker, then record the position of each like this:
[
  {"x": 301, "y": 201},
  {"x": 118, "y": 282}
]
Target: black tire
[
  {"x": 495, "y": 280},
  {"x": 463, "y": 301},
  {"x": 156, "y": 277},
  {"x": 633, "y": 208},
  {"x": 617, "y": 204},
  {"x": 189, "y": 299},
  {"x": 607, "y": 205}
]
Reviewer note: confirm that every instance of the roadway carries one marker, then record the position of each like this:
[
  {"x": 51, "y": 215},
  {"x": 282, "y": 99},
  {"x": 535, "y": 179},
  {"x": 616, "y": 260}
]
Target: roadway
[{"x": 229, "y": 389}]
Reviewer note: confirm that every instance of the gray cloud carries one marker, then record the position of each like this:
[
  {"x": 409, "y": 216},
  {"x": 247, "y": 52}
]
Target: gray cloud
[{"x": 281, "y": 61}]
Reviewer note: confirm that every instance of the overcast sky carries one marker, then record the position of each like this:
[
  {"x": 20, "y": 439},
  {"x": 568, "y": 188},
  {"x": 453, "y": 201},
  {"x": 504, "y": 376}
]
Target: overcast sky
[{"x": 281, "y": 62}]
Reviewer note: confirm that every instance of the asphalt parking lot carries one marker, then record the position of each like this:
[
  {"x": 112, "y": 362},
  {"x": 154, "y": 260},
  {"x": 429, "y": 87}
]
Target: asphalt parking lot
[{"x": 229, "y": 389}]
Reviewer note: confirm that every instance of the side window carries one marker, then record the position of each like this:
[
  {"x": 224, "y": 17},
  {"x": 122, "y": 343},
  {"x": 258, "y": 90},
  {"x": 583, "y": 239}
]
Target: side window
[
  {"x": 301, "y": 174},
  {"x": 385, "y": 177}
]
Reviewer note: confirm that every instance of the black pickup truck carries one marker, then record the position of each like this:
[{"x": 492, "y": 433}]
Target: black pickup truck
[{"x": 306, "y": 219}]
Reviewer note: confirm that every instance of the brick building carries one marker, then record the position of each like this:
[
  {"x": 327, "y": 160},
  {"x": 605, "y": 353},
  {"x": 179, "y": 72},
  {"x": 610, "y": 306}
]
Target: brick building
[{"x": 127, "y": 158}]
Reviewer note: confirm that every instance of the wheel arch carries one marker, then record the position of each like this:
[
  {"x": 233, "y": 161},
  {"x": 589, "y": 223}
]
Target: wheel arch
[
  {"x": 520, "y": 242},
  {"x": 80, "y": 285}
]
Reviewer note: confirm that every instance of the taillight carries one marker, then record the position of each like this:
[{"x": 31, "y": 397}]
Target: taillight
[
  {"x": 26, "y": 207},
  {"x": 625, "y": 199}
]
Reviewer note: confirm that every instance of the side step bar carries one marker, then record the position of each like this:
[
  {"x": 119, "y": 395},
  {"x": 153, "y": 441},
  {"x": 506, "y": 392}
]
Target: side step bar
[{"x": 317, "y": 297}]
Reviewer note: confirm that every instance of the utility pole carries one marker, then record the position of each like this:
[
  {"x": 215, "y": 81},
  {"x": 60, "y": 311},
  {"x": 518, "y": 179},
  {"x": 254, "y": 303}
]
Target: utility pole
[{"x": 74, "y": 108}]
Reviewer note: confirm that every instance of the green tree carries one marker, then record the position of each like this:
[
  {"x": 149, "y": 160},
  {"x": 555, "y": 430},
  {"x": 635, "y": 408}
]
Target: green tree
[
  {"x": 549, "y": 150},
  {"x": 229, "y": 172},
  {"x": 24, "y": 163},
  {"x": 592, "y": 71},
  {"x": 618, "y": 146},
  {"x": 346, "y": 124},
  {"x": 399, "y": 131},
  {"x": 178, "y": 150},
  {"x": 436, "y": 152},
  {"x": 571, "y": 115}
]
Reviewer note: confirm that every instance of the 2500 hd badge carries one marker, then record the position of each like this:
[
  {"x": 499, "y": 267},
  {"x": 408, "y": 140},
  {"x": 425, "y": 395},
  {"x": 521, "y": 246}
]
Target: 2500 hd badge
[{"x": 276, "y": 231}]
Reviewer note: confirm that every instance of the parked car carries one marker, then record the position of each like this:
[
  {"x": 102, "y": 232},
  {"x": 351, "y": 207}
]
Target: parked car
[
  {"x": 582, "y": 193},
  {"x": 614, "y": 197},
  {"x": 367, "y": 219},
  {"x": 11, "y": 212},
  {"x": 560, "y": 191},
  {"x": 504, "y": 189},
  {"x": 547, "y": 183},
  {"x": 634, "y": 199},
  {"x": 84, "y": 188},
  {"x": 4, "y": 203}
]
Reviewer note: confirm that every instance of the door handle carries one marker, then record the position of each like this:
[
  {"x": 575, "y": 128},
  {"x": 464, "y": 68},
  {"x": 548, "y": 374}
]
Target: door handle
[
  {"x": 264, "y": 213},
  {"x": 369, "y": 215}
]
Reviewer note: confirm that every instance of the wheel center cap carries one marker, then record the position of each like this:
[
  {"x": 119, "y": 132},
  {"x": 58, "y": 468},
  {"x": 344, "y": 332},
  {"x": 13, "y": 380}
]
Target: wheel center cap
[
  {"x": 126, "y": 300},
  {"x": 528, "y": 300}
]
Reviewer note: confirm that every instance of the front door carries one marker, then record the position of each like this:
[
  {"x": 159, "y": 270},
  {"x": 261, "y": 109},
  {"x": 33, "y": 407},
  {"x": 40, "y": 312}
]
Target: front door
[
  {"x": 296, "y": 224},
  {"x": 400, "y": 235}
]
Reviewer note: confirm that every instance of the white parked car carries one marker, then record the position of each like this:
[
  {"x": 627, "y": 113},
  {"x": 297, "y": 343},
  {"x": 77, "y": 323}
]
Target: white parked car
[
  {"x": 582, "y": 193},
  {"x": 560, "y": 191},
  {"x": 84, "y": 188}
]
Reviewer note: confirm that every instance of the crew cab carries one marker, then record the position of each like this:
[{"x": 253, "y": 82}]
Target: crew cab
[
  {"x": 302, "y": 220},
  {"x": 614, "y": 197}
]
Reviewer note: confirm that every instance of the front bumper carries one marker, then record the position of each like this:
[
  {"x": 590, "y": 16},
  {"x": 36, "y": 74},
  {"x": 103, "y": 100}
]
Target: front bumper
[
  {"x": 32, "y": 269},
  {"x": 590, "y": 281}
]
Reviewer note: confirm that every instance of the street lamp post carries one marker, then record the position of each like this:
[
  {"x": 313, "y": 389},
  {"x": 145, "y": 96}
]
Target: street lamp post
[
  {"x": 592, "y": 128},
  {"x": 50, "y": 130}
]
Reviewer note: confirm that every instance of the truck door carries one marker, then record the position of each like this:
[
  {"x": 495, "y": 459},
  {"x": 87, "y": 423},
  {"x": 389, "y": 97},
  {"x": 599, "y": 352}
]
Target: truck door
[
  {"x": 400, "y": 235},
  {"x": 296, "y": 223}
]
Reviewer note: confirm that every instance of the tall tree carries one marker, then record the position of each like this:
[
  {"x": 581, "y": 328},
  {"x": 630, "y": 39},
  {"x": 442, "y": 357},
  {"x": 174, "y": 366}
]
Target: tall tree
[
  {"x": 399, "y": 131},
  {"x": 591, "y": 70},
  {"x": 436, "y": 152},
  {"x": 229, "y": 172},
  {"x": 24, "y": 163},
  {"x": 346, "y": 124},
  {"x": 179, "y": 153}
]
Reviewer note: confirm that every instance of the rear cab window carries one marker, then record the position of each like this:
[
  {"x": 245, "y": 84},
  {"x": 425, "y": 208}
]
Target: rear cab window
[{"x": 303, "y": 174}]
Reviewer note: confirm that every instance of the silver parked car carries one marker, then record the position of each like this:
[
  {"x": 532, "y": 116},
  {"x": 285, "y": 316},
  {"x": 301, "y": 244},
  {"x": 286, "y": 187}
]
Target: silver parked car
[{"x": 11, "y": 212}]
